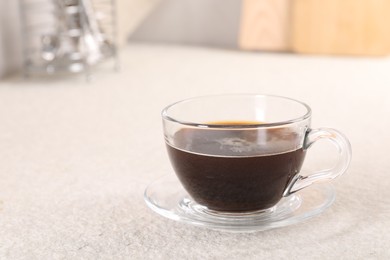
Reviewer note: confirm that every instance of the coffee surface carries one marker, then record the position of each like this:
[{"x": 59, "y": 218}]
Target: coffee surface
[{"x": 234, "y": 170}]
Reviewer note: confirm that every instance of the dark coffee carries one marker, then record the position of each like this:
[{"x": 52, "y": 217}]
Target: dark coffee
[{"x": 230, "y": 170}]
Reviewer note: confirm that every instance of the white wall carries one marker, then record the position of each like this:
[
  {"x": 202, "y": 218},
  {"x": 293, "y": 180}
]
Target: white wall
[
  {"x": 10, "y": 43},
  {"x": 199, "y": 22}
]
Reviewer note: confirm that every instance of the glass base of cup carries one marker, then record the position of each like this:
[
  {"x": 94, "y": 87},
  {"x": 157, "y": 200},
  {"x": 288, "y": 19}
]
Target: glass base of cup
[
  {"x": 166, "y": 197},
  {"x": 190, "y": 206}
]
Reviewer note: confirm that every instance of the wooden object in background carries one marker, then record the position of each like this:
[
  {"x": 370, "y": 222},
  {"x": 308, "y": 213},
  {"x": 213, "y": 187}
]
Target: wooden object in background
[
  {"x": 352, "y": 27},
  {"x": 265, "y": 25}
]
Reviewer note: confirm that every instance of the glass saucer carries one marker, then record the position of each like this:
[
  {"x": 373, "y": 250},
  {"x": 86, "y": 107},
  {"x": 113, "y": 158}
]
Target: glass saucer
[{"x": 167, "y": 197}]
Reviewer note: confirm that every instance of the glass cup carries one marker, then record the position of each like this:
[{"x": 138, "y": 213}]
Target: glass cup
[{"x": 243, "y": 153}]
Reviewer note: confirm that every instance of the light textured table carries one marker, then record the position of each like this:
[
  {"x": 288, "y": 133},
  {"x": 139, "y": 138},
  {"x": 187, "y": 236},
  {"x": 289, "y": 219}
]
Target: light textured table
[{"x": 76, "y": 157}]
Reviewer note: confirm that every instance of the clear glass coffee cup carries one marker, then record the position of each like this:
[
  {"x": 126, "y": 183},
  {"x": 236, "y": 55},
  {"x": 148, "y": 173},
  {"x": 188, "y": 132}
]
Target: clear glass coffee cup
[{"x": 244, "y": 152}]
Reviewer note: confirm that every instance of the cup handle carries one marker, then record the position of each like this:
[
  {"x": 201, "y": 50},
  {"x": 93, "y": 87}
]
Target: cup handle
[{"x": 343, "y": 148}]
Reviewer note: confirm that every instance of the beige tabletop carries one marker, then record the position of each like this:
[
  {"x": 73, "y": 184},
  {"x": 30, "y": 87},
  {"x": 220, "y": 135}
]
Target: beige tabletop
[{"x": 76, "y": 157}]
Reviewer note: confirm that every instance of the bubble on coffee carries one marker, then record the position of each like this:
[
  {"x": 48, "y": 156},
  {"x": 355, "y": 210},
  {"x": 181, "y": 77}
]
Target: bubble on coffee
[{"x": 236, "y": 145}]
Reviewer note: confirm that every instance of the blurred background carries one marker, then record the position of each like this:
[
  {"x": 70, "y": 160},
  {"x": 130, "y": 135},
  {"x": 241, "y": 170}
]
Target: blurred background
[
  {"x": 81, "y": 136},
  {"x": 332, "y": 27}
]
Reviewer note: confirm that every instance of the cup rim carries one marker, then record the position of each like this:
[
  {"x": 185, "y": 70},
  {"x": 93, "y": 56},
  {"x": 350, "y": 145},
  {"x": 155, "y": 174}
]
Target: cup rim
[{"x": 165, "y": 115}]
